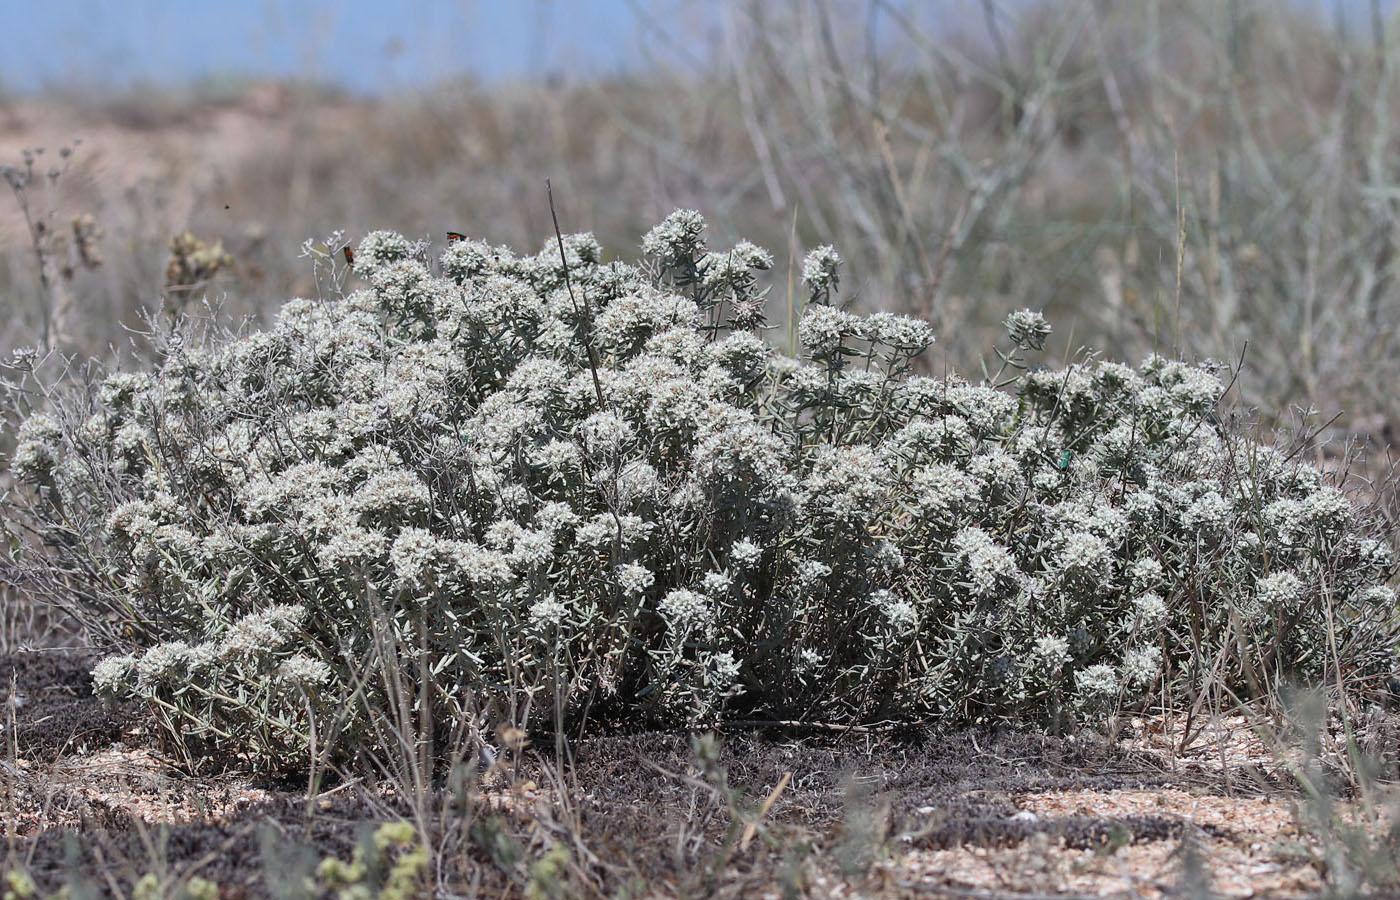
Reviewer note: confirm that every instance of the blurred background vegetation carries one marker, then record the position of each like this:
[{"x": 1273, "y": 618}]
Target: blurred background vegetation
[{"x": 1192, "y": 177}]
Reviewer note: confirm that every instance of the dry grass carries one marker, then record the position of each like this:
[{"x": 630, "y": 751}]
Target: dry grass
[
  {"x": 983, "y": 813},
  {"x": 1199, "y": 175}
]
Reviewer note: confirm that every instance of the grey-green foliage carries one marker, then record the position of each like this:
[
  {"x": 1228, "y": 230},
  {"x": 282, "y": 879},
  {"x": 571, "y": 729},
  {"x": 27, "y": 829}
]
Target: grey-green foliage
[{"x": 557, "y": 484}]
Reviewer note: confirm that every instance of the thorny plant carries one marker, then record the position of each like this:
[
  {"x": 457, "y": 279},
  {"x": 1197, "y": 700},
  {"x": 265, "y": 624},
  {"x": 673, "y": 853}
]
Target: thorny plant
[
  {"x": 61, "y": 249},
  {"x": 193, "y": 264},
  {"x": 555, "y": 482}
]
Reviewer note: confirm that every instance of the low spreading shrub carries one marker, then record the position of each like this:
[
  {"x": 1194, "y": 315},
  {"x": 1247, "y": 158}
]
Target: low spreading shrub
[{"x": 552, "y": 481}]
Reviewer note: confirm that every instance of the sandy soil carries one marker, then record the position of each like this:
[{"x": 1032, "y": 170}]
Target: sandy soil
[{"x": 979, "y": 813}]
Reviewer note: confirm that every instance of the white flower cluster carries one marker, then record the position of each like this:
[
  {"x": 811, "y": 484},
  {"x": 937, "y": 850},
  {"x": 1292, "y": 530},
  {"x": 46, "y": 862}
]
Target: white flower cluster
[
  {"x": 1027, "y": 328},
  {"x": 304, "y": 673},
  {"x": 1051, "y": 653},
  {"x": 1097, "y": 682},
  {"x": 820, "y": 271},
  {"x": 548, "y": 611},
  {"x": 1140, "y": 666},
  {"x": 684, "y": 608},
  {"x": 1279, "y": 590},
  {"x": 677, "y": 240},
  {"x": 509, "y": 479},
  {"x": 37, "y": 448},
  {"x": 899, "y": 613},
  {"x": 745, "y": 553},
  {"x": 635, "y": 579},
  {"x": 991, "y": 569},
  {"x": 380, "y": 249},
  {"x": 826, "y": 331}
]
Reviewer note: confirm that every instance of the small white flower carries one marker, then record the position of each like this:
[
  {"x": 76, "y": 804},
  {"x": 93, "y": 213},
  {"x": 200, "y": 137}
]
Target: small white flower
[
  {"x": 1083, "y": 553},
  {"x": 942, "y": 493},
  {"x": 36, "y": 448},
  {"x": 1150, "y": 610},
  {"x": 352, "y": 546},
  {"x": 1140, "y": 666},
  {"x": 808, "y": 661},
  {"x": 160, "y": 662},
  {"x": 379, "y": 248},
  {"x": 555, "y": 517},
  {"x": 1287, "y": 522},
  {"x": 824, "y": 330},
  {"x": 1327, "y": 510},
  {"x": 605, "y": 433},
  {"x": 120, "y": 390},
  {"x": 998, "y": 471},
  {"x": 1147, "y": 573},
  {"x": 1051, "y": 653},
  {"x": 634, "y": 579},
  {"x": 1376, "y": 555},
  {"x": 1376, "y": 595},
  {"x": 985, "y": 410},
  {"x": 548, "y": 611},
  {"x": 636, "y": 481},
  {"x": 113, "y": 675},
  {"x": 604, "y": 529},
  {"x": 723, "y": 672},
  {"x": 462, "y": 260},
  {"x": 1140, "y": 507},
  {"x": 1194, "y": 389},
  {"x": 267, "y": 629},
  {"x": 811, "y": 571},
  {"x": 560, "y": 457},
  {"x": 903, "y": 333},
  {"x": 303, "y": 672},
  {"x": 1097, "y": 682},
  {"x": 683, "y": 608},
  {"x": 717, "y": 584},
  {"x": 394, "y": 492},
  {"x": 677, "y": 238},
  {"x": 1279, "y": 589},
  {"x": 1208, "y": 512},
  {"x": 991, "y": 567},
  {"x": 532, "y": 548},
  {"x": 1113, "y": 377},
  {"x": 1027, "y": 329},
  {"x": 886, "y": 558},
  {"x": 741, "y": 355},
  {"x": 821, "y": 270},
  {"x": 745, "y": 553},
  {"x": 415, "y": 556},
  {"x": 900, "y": 614}
]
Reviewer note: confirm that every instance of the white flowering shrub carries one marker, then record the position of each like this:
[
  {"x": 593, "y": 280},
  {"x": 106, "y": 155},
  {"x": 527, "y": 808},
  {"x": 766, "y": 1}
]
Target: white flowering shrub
[{"x": 556, "y": 481}]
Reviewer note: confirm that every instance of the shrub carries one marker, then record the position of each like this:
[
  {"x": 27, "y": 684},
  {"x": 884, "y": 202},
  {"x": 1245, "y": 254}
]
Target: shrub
[{"x": 550, "y": 481}]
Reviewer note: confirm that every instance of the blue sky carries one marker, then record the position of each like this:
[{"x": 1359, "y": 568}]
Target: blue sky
[
  {"x": 364, "y": 45},
  {"x": 360, "y": 44}
]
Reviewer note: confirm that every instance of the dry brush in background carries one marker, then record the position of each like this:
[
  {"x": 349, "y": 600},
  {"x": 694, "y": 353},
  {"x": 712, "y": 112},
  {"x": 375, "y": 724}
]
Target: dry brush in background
[{"x": 1155, "y": 176}]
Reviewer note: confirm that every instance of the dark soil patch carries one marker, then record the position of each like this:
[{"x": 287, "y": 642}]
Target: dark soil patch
[
  {"x": 943, "y": 791},
  {"x": 646, "y": 811},
  {"x": 642, "y": 807},
  {"x": 1076, "y": 832},
  {"x": 55, "y": 711}
]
